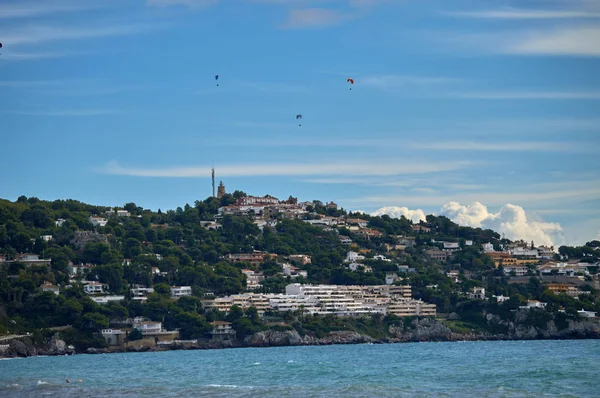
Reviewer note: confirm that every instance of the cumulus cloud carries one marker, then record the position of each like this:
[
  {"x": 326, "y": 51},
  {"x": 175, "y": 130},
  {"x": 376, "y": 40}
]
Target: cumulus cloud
[
  {"x": 511, "y": 220},
  {"x": 397, "y": 212}
]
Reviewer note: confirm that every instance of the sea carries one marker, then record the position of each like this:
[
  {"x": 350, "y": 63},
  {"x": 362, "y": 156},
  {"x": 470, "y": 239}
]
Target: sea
[{"x": 550, "y": 368}]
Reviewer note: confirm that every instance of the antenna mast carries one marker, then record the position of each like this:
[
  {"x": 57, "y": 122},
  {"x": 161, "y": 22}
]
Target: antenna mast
[{"x": 213, "y": 181}]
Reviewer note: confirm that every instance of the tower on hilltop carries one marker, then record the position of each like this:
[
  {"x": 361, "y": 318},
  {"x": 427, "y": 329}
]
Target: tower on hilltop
[
  {"x": 221, "y": 191},
  {"x": 213, "y": 181}
]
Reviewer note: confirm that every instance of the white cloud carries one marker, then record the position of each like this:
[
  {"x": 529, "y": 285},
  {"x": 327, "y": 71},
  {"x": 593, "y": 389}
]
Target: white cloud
[
  {"x": 314, "y": 17},
  {"x": 67, "y": 112},
  {"x": 529, "y": 95},
  {"x": 43, "y": 34},
  {"x": 23, "y": 9},
  {"x": 578, "y": 40},
  {"x": 516, "y": 146},
  {"x": 396, "y": 212},
  {"x": 187, "y": 3},
  {"x": 368, "y": 168},
  {"x": 562, "y": 41},
  {"x": 397, "y": 81},
  {"x": 511, "y": 220},
  {"x": 492, "y": 198},
  {"x": 519, "y": 13}
]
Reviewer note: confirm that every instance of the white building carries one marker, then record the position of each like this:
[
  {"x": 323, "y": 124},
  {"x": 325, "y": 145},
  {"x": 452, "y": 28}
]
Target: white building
[
  {"x": 49, "y": 287},
  {"x": 107, "y": 299},
  {"x": 141, "y": 293},
  {"x": 477, "y": 293},
  {"x": 381, "y": 257},
  {"x": 586, "y": 314},
  {"x": 180, "y": 291},
  {"x": 253, "y": 279},
  {"x": 353, "y": 256},
  {"x": 113, "y": 337},
  {"x": 95, "y": 288},
  {"x": 520, "y": 251},
  {"x": 533, "y": 304},
  {"x": 390, "y": 278},
  {"x": 500, "y": 299},
  {"x": 519, "y": 270},
  {"x": 98, "y": 221},
  {"x": 546, "y": 252},
  {"x": 451, "y": 246},
  {"x": 488, "y": 248},
  {"x": 148, "y": 327}
]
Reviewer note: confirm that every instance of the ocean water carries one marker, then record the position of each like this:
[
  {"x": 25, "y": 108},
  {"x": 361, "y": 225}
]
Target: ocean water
[{"x": 461, "y": 369}]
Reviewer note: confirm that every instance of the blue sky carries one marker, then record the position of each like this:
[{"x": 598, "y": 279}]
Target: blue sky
[{"x": 496, "y": 102}]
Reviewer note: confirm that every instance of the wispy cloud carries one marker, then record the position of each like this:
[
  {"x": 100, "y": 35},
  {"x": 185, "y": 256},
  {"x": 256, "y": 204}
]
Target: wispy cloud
[
  {"x": 74, "y": 87},
  {"x": 528, "y": 95},
  {"x": 521, "y": 13},
  {"x": 396, "y": 81},
  {"x": 314, "y": 18},
  {"x": 576, "y": 40},
  {"x": 509, "y": 146},
  {"x": 490, "y": 198},
  {"x": 67, "y": 112},
  {"x": 186, "y": 3},
  {"x": 43, "y": 34},
  {"x": 272, "y": 87},
  {"x": 367, "y": 168},
  {"x": 24, "y": 9},
  {"x": 33, "y": 55}
]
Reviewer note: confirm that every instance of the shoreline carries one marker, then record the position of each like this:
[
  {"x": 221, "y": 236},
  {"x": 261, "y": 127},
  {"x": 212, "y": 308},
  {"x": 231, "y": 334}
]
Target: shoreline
[{"x": 334, "y": 338}]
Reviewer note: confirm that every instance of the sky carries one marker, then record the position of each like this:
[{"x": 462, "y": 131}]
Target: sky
[{"x": 485, "y": 111}]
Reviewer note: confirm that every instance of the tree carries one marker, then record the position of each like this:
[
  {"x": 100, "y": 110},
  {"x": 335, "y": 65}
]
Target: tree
[
  {"x": 162, "y": 289},
  {"x": 134, "y": 335}
]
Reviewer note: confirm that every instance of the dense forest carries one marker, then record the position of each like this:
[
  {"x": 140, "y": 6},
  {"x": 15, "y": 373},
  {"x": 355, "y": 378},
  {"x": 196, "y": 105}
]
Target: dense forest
[{"x": 127, "y": 249}]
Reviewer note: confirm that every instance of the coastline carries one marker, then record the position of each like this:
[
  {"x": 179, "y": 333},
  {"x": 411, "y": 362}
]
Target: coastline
[{"x": 427, "y": 331}]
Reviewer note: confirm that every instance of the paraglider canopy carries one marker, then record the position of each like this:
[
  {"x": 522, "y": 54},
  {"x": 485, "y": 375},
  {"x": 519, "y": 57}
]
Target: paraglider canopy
[
  {"x": 299, "y": 117},
  {"x": 351, "y": 81},
  {"x": 217, "y": 78}
]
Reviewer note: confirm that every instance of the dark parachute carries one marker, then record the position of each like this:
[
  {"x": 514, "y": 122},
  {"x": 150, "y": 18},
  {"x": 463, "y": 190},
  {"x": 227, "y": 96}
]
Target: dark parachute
[
  {"x": 351, "y": 81},
  {"x": 299, "y": 117},
  {"x": 217, "y": 78}
]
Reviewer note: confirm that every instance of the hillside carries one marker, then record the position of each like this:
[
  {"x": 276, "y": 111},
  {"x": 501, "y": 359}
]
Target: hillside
[{"x": 53, "y": 255}]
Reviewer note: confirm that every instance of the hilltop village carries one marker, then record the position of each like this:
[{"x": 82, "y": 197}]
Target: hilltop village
[{"x": 236, "y": 266}]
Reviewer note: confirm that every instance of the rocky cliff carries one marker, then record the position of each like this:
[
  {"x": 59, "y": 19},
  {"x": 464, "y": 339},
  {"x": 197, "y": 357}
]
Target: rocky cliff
[
  {"x": 27, "y": 347},
  {"x": 271, "y": 338}
]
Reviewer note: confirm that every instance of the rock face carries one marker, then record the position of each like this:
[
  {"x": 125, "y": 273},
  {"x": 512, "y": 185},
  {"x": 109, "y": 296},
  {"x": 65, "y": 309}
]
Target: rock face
[
  {"x": 58, "y": 347},
  {"x": 426, "y": 329},
  {"x": 82, "y": 238},
  {"x": 272, "y": 338},
  {"x": 20, "y": 348}
]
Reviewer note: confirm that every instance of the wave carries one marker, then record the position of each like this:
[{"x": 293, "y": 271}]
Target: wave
[{"x": 227, "y": 386}]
